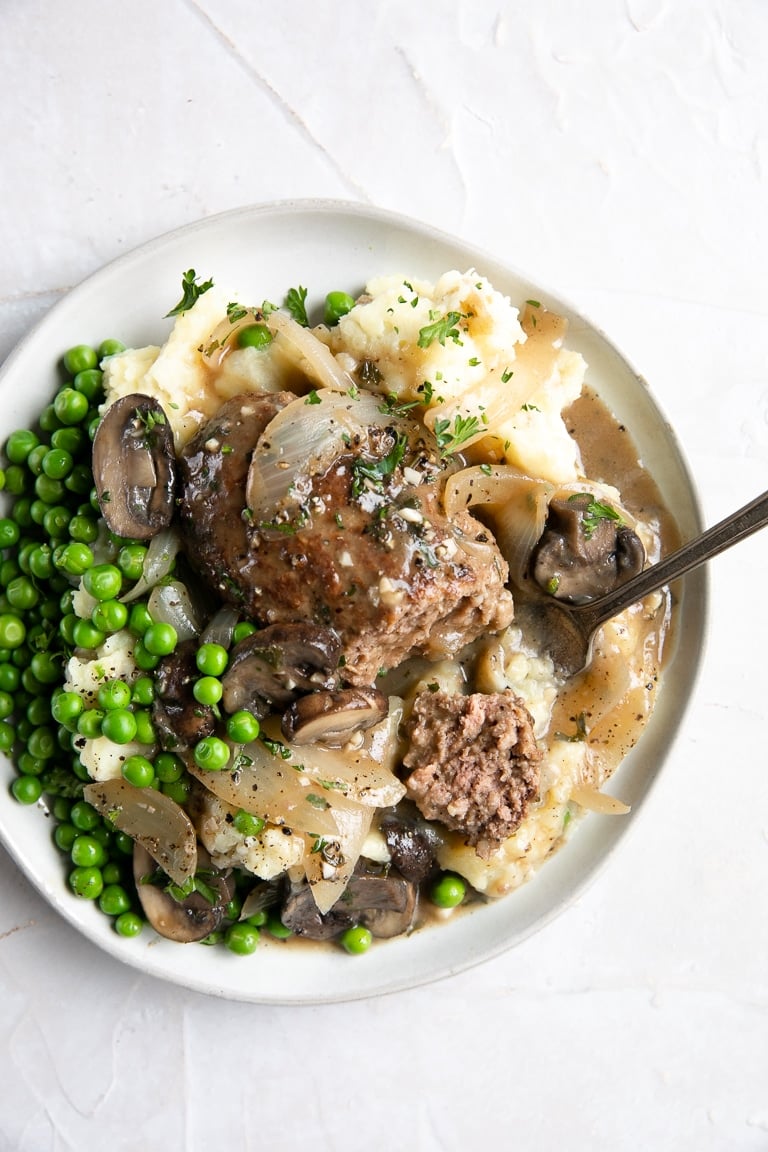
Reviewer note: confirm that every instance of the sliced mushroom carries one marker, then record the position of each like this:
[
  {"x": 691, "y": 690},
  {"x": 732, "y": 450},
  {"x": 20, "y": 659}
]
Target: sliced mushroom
[
  {"x": 134, "y": 467},
  {"x": 385, "y": 904},
  {"x": 179, "y": 718},
  {"x": 332, "y": 718},
  {"x": 192, "y": 918},
  {"x": 585, "y": 550},
  {"x": 412, "y": 844},
  {"x": 271, "y": 667}
]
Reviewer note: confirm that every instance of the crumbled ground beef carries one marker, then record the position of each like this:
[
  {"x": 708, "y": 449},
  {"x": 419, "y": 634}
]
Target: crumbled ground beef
[{"x": 474, "y": 763}]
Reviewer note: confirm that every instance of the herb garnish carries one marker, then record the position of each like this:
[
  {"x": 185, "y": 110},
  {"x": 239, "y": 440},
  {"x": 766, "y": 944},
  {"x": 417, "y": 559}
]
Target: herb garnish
[
  {"x": 295, "y": 302},
  {"x": 450, "y": 439},
  {"x": 236, "y": 312},
  {"x": 191, "y": 291},
  {"x": 440, "y": 329},
  {"x": 374, "y": 471},
  {"x": 594, "y": 513}
]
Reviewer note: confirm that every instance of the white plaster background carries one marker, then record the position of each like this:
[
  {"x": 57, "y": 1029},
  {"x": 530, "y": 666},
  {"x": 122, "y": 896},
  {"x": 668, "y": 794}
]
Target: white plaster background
[{"x": 618, "y": 151}]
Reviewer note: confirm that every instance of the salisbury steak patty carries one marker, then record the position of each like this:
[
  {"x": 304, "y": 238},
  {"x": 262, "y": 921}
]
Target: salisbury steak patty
[
  {"x": 474, "y": 762},
  {"x": 368, "y": 551}
]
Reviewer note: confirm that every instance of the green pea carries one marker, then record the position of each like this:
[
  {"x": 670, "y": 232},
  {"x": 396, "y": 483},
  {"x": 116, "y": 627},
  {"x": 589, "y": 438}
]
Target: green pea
[
  {"x": 9, "y": 533},
  {"x": 61, "y": 808},
  {"x": 80, "y": 481},
  {"x": 123, "y": 843},
  {"x": 128, "y": 924},
  {"x": 36, "y": 457},
  {"x": 119, "y": 726},
  {"x": 247, "y": 824},
  {"x": 26, "y": 789},
  {"x": 211, "y": 659},
  {"x": 208, "y": 690},
  {"x": 110, "y": 348},
  {"x": 89, "y": 382},
  {"x": 89, "y": 723},
  {"x": 211, "y": 753},
  {"x": 66, "y": 707},
  {"x": 254, "y": 336},
  {"x": 79, "y": 358},
  {"x": 49, "y": 421},
  {"x": 64, "y": 837},
  {"x": 242, "y": 727},
  {"x": 143, "y": 691},
  {"x": 22, "y": 594},
  {"x": 74, "y": 559},
  {"x": 145, "y": 729},
  {"x": 276, "y": 928},
  {"x": 46, "y": 667},
  {"x": 143, "y": 658},
  {"x": 48, "y": 490},
  {"x": 57, "y": 463},
  {"x": 356, "y": 940},
  {"x": 6, "y": 705},
  {"x": 178, "y": 790},
  {"x": 139, "y": 618},
  {"x": 112, "y": 872},
  {"x": 9, "y": 677},
  {"x": 19, "y": 445},
  {"x": 87, "y": 852},
  {"x": 114, "y": 900},
  {"x": 449, "y": 891},
  {"x": 160, "y": 639},
  {"x": 103, "y": 581},
  {"x": 41, "y": 562},
  {"x": 16, "y": 480},
  {"x": 83, "y": 529},
  {"x": 130, "y": 560},
  {"x": 12, "y": 631},
  {"x": 39, "y": 711},
  {"x": 168, "y": 767},
  {"x": 72, "y": 440},
  {"x": 42, "y": 743},
  {"x": 84, "y": 816},
  {"x": 113, "y": 694},
  {"x": 242, "y": 630},
  {"x": 86, "y": 882},
  {"x": 85, "y": 635},
  {"x": 7, "y": 736},
  {"x": 22, "y": 511},
  {"x": 242, "y": 939},
  {"x": 337, "y": 304},
  {"x": 138, "y": 770},
  {"x": 110, "y": 616}
]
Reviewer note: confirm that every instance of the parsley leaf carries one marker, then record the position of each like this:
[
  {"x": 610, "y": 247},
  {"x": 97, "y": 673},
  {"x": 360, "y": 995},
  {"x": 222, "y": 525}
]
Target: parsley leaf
[
  {"x": 376, "y": 470},
  {"x": 450, "y": 439},
  {"x": 295, "y": 301},
  {"x": 191, "y": 291},
  {"x": 440, "y": 330},
  {"x": 594, "y": 512}
]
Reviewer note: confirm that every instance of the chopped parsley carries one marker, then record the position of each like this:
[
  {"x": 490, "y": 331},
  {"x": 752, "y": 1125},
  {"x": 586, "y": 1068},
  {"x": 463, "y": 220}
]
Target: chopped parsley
[
  {"x": 296, "y": 303},
  {"x": 374, "y": 471},
  {"x": 236, "y": 312},
  {"x": 441, "y": 329},
  {"x": 449, "y": 439},
  {"x": 594, "y": 512},
  {"x": 312, "y": 398},
  {"x": 191, "y": 291},
  {"x": 506, "y": 375}
]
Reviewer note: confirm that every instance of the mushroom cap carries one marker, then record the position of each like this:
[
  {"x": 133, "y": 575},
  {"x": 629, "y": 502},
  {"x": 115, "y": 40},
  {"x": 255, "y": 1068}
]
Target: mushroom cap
[
  {"x": 188, "y": 920},
  {"x": 332, "y": 718},
  {"x": 272, "y": 666},
  {"x": 134, "y": 467}
]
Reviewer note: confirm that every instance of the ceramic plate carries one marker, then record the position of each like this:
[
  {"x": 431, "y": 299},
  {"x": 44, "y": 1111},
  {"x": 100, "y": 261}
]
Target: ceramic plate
[{"x": 258, "y": 253}]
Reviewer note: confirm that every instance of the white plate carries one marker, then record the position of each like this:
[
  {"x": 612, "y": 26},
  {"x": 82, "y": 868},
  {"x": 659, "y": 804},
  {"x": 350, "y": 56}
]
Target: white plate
[{"x": 258, "y": 253}]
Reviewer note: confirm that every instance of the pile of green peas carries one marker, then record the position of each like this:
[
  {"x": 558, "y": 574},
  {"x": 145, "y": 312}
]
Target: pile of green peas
[{"x": 51, "y": 541}]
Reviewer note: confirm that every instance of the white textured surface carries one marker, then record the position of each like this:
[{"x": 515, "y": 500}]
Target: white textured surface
[{"x": 619, "y": 152}]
